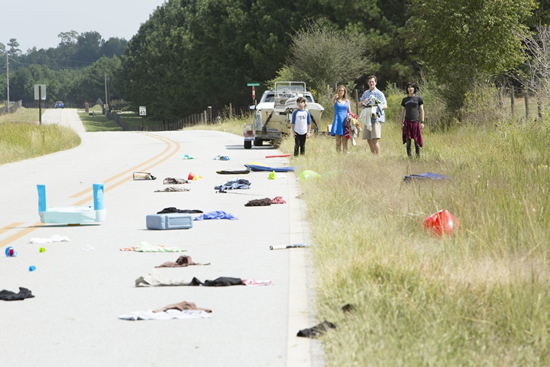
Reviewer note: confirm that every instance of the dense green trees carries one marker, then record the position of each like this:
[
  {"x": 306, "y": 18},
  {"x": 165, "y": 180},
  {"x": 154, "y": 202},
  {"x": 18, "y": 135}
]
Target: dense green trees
[
  {"x": 194, "y": 53},
  {"x": 467, "y": 41},
  {"x": 74, "y": 71}
]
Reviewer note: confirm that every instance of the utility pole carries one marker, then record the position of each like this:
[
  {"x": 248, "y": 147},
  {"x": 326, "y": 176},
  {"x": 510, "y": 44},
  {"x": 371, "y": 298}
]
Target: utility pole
[
  {"x": 8, "y": 74},
  {"x": 104, "y": 109}
]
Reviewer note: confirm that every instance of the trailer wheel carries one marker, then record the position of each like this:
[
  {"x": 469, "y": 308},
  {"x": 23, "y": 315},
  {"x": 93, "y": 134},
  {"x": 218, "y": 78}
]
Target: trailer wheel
[
  {"x": 247, "y": 144},
  {"x": 258, "y": 142}
]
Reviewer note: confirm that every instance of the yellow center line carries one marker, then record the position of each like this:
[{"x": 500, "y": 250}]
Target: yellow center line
[
  {"x": 110, "y": 187},
  {"x": 37, "y": 225},
  {"x": 88, "y": 190},
  {"x": 10, "y": 226},
  {"x": 20, "y": 234}
]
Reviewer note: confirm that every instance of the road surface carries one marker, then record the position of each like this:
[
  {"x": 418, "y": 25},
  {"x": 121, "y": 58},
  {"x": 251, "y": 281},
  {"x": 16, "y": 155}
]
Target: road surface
[{"x": 82, "y": 286}]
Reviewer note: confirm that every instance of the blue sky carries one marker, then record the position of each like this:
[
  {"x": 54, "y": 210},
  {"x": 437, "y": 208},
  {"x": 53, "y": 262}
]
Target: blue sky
[{"x": 37, "y": 23}]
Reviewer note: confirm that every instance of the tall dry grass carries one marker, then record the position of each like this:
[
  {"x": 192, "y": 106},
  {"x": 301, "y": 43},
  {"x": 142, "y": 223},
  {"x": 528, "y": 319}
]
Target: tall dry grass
[
  {"x": 480, "y": 297},
  {"x": 22, "y": 140}
]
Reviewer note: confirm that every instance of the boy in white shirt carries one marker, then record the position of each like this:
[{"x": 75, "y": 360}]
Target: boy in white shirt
[{"x": 301, "y": 126}]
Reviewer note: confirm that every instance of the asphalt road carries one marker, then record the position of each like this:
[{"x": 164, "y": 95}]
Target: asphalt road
[{"x": 79, "y": 293}]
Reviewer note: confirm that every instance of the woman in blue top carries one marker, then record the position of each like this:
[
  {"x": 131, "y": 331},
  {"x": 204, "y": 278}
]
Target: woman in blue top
[{"x": 341, "y": 110}]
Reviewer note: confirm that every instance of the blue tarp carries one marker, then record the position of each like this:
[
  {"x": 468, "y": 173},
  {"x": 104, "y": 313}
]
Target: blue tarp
[
  {"x": 425, "y": 176},
  {"x": 257, "y": 168}
]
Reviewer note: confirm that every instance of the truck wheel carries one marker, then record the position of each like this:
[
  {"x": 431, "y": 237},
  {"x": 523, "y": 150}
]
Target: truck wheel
[
  {"x": 247, "y": 144},
  {"x": 258, "y": 142}
]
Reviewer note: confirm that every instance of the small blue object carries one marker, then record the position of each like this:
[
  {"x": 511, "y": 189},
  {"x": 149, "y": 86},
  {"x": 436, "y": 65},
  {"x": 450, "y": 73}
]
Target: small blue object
[
  {"x": 32, "y": 268},
  {"x": 41, "y": 198},
  {"x": 428, "y": 176},
  {"x": 98, "y": 196},
  {"x": 10, "y": 252},
  {"x": 169, "y": 221}
]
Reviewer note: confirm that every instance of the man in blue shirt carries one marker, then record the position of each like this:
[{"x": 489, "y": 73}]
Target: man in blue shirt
[{"x": 371, "y": 97}]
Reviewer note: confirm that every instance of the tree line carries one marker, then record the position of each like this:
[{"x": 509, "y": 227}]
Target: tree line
[
  {"x": 193, "y": 53},
  {"x": 74, "y": 71}
]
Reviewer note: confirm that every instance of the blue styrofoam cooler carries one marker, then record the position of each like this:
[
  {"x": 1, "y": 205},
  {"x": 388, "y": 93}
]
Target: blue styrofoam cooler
[{"x": 169, "y": 221}]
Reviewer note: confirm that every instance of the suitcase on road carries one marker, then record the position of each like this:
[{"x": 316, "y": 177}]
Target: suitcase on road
[{"x": 169, "y": 221}]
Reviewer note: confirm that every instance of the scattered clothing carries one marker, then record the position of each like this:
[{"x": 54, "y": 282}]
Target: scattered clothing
[
  {"x": 181, "y": 262},
  {"x": 278, "y": 200},
  {"x": 154, "y": 279},
  {"x": 234, "y": 185},
  {"x": 425, "y": 177},
  {"x": 143, "y": 176},
  {"x": 175, "y": 210},
  {"x": 259, "y": 202},
  {"x": 216, "y": 215},
  {"x": 317, "y": 330},
  {"x": 165, "y": 315},
  {"x": 219, "y": 282},
  {"x": 257, "y": 282},
  {"x": 174, "y": 189},
  {"x": 182, "y": 310},
  {"x": 174, "y": 181},
  {"x": 348, "y": 308},
  {"x": 237, "y": 172},
  {"x": 221, "y": 158},
  {"x": 6, "y": 295},
  {"x": 182, "y": 306},
  {"x": 54, "y": 238},
  {"x": 146, "y": 247}
]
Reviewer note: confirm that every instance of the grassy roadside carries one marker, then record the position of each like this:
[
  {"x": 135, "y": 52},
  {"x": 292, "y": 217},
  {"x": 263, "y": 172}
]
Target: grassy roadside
[
  {"x": 22, "y": 138},
  {"x": 480, "y": 297},
  {"x": 97, "y": 122}
]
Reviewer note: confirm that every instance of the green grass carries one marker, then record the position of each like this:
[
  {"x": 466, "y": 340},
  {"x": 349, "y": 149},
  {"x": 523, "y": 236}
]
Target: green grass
[
  {"x": 478, "y": 297},
  {"x": 233, "y": 125},
  {"x": 22, "y": 115},
  {"x": 98, "y": 122},
  {"x": 23, "y": 140}
]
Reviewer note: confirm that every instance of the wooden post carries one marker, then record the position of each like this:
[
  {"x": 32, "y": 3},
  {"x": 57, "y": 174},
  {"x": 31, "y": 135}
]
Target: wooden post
[
  {"x": 512, "y": 100},
  {"x": 209, "y": 114},
  {"x": 539, "y": 107},
  {"x": 230, "y": 111},
  {"x": 526, "y": 105},
  {"x": 39, "y": 105}
]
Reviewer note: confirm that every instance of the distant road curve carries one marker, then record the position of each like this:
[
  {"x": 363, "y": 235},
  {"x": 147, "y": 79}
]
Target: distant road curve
[{"x": 64, "y": 117}]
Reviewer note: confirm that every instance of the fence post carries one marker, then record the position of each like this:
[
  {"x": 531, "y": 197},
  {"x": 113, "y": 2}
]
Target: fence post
[
  {"x": 209, "y": 114},
  {"x": 512, "y": 100},
  {"x": 526, "y": 105},
  {"x": 230, "y": 111},
  {"x": 204, "y": 117}
]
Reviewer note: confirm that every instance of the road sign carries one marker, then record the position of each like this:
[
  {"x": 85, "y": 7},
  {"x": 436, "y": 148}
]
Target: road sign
[
  {"x": 142, "y": 111},
  {"x": 252, "y": 84},
  {"x": 43, "y": 91}
]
